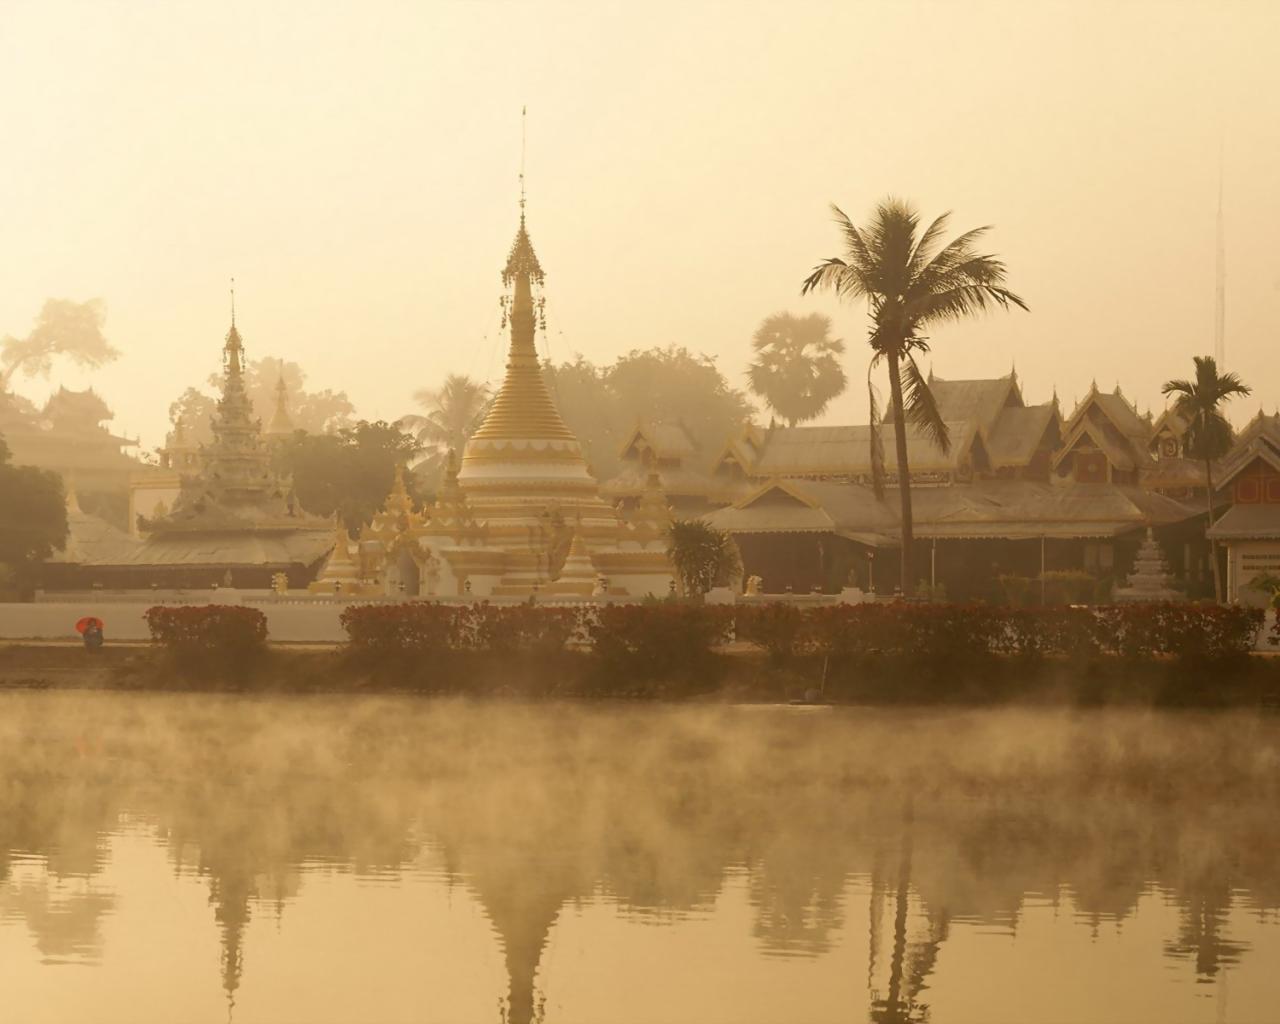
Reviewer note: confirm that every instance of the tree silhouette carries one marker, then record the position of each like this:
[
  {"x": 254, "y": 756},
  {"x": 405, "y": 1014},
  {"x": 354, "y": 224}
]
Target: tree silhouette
[
  {"x": 1208, "y": 433},
  {"x": 911, "y": 284},
  {"x": 63, "y": 328},
  {"x": 796, "y": 369}
]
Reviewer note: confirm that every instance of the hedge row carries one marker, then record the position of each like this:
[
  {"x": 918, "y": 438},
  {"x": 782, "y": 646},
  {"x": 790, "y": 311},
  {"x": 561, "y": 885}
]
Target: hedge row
[
  {"x": 424, "y": 627},
  {"x": 665, "y": 635},
  {"x": 670, "y": 637},
  {"x": 939, "y": 632}
]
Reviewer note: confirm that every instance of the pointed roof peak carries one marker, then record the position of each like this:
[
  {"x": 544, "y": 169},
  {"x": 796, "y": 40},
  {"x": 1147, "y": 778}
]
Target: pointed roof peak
[
  {"x": 281, "y": 421},
  {"x": 522, "y": 261},
  {"x": 72, "y": 499}
]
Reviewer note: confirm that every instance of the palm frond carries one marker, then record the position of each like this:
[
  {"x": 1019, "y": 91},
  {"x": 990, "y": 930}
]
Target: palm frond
[
  {"x": 855, "y": 245},
  {"x": 1178, "y": 387},
  {"x": 826, "y": 275},
  {"x": 922, "y": 254},
  {"x": 960, "y": 302},
  {"x": 919, "y": 405}
]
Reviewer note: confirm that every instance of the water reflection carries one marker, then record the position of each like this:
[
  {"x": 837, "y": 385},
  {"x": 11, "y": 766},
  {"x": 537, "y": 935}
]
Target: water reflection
[{"x": 934, "y": 822}]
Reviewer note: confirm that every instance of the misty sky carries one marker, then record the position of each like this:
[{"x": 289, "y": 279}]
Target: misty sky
[{"x": 354, "y": 166}]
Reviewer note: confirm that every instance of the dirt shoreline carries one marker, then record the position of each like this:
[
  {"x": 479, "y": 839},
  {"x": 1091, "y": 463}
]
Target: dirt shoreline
[{"x": 738, "y": 676}]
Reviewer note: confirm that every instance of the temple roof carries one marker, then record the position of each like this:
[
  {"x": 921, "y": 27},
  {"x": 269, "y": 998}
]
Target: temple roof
[
  {"x": 1017, "y": 433},
  {"x": 233, "y": 549},
  {"x": 1259, "y": 521},
  {"x": 92, "y": 541},
  {"x": 979, "y": 400},
  {"x": 1260, "y": 439},
  {"x": 996, "y": 509},
  {"x": 846, "y": 450},
  {"x": 665, "y": 440}
]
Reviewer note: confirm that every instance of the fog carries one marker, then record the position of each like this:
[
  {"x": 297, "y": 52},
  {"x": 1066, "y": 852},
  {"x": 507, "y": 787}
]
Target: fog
[
  {"x": 946, "y": 820},
  {"x": 355, "y": 169}
]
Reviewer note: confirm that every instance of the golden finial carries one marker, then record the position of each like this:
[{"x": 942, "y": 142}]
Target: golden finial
[{"x": 523, "y": 140}]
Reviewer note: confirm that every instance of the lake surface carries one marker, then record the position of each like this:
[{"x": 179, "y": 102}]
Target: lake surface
[{"x": 206, "y": 858}]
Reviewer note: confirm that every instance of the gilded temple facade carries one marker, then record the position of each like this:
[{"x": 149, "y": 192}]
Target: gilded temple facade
[{"x": 520, "y": 514}]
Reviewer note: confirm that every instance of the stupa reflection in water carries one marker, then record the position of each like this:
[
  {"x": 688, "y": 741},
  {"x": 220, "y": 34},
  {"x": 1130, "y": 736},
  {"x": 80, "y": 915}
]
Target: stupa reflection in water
[{"x": 657, "y": 812}]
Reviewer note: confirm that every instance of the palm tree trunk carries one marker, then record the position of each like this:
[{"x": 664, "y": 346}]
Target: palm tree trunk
[
  {"x": 904, "y": 475},
  {"x": 1213, "y": 544}
]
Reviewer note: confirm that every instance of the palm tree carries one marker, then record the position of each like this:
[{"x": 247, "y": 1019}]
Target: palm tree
[
  {"x": 453, "y": 412},
  {"x": 796, "y": 370},
  {"x": 911, "y": 283},
  {"x": 702, "y": 555},
  {"x": 1208, "y": 433}
]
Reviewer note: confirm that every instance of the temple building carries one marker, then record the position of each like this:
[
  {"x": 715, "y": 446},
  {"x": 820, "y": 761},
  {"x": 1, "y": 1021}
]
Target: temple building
[
  {"x": 1021, "y": 492},
  {"x": 520, "y": 515},
  {"x": 233, "y": 521},
  {"x": 69, "y": 435},
  {"x": 668, "y": 451},
  {"x": 1248, "y": 478}
]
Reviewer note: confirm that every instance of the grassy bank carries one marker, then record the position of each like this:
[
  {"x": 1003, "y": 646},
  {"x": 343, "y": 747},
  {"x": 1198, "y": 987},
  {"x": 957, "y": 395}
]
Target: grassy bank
[{"x": 741, "y": 675}]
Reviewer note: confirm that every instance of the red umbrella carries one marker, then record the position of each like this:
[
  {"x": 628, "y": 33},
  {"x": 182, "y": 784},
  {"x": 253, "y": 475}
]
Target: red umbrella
[{"x": 87, "y": 621}]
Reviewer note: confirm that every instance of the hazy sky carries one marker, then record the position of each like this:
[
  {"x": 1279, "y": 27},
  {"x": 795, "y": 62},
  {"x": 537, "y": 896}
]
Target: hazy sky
[{"x": 354, "y": 167}]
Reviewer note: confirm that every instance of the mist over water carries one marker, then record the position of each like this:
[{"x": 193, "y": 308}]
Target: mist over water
[{"x": 185, "y": 858}]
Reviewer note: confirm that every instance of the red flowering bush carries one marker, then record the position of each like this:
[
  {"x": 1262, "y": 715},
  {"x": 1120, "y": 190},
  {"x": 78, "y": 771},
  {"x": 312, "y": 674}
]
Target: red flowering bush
[
  {"x": 409, "y": 626},
  {"x": 949, "y": 634},
  {"x": 211, "y": 635},
  {"x": 655, "y": 643},
  {"x": 782, "y": 629},
  {"x": 510, "y": 629}
]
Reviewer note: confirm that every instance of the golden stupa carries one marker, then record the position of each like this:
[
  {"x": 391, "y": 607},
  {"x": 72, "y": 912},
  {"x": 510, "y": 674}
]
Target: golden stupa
[{"x": 521, "y": 515}]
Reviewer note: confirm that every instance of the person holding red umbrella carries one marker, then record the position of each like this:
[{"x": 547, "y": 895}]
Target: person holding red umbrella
[{"x": 90, "y": 627}]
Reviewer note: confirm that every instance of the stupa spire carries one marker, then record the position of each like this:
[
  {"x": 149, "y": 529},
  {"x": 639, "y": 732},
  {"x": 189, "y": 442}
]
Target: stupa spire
[
  {"x": 523, "y": 408},
  {"x": 281, "y": 421}
]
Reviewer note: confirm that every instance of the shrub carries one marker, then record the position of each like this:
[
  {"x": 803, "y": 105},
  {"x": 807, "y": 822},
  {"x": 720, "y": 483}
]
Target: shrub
[
  {"x": 521, "y": 628},
  {"x": 1016, "y": 590},
  {"x": 211, "y": 636},
  {"x": 420, "y": 627},
  {"x": 644, "y": 648},
  {"x": 782, "y": 629}
]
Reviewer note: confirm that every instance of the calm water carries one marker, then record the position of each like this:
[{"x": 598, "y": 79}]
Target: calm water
[{"x": 174, "y": 859}]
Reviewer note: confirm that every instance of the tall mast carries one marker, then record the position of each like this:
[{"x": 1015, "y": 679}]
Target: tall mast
[{"x": 1220, "y": 298}]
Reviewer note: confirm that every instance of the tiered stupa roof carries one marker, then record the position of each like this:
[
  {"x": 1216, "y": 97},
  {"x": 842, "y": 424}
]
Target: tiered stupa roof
[{"x": 237, "y": 489}]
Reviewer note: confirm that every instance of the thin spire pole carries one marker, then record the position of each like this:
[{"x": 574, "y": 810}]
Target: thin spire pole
[
  {"x": 1220, "y": 298},
  {"x": 233, "y": 302},
  {"x": 523, "y": 140}
]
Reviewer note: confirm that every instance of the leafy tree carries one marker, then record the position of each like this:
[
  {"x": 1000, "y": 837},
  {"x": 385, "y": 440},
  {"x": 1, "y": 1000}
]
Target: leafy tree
[
  {"x": 33, "y": 517},
  {"x": 350, "y": 472},
  {"x": 796, "y": 369},
  {"x": 911, "y": 284},
  {"x": 453, "y": 412},
  {"x": 1269, "y": 584},
  {"x": 316, "y": 412},
  {"x": 703, "y": 556},
  {"x": 1208, "y": 435},
  {"x": 63, "y": 328},
  {"x": 601, "y": 404}
]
